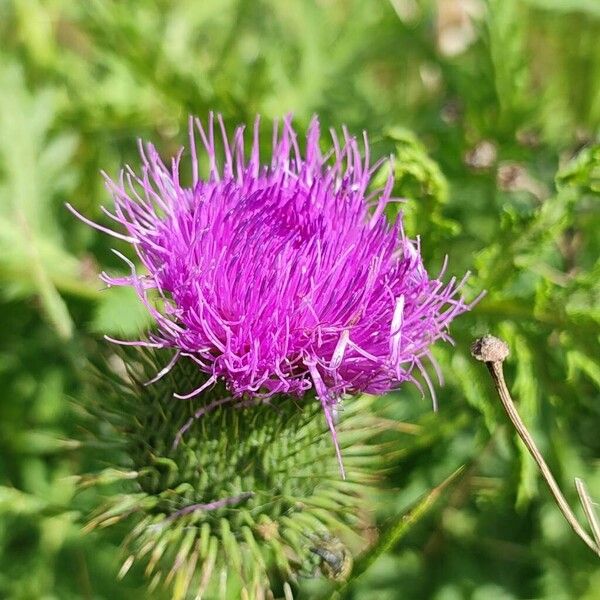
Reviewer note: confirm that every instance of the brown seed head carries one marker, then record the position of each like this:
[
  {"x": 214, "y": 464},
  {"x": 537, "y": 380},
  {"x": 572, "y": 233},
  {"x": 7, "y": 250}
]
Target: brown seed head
[{"x": 489, "y": 349}]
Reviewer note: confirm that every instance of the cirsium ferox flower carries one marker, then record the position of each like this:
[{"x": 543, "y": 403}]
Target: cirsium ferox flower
[{"x": 279, "y": 277}]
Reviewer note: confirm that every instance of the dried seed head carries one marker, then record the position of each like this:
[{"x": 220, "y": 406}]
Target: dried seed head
[
  {"x": 482, "y": 156},
  {"x": 489, "y": 349}
]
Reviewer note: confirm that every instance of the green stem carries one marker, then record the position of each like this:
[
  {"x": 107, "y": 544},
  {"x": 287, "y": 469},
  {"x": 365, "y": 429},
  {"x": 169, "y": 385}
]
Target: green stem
[{"x": 396, "y": 531}]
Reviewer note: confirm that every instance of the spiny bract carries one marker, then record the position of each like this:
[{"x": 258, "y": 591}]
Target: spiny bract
[{"x": 236, "y": 509}]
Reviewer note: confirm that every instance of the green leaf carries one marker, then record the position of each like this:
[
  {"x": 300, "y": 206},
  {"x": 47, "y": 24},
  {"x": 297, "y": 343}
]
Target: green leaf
[
  {"x": 120, "y": 312},
  {"x": 29, "y": 234},
  {"x": 577, "y": 363},
  {"x": 582, "y": 172},
  {"x": 589, "y": 7},
  {"x": 419, "y": 181},
  {"x": 507, "y": 30}
]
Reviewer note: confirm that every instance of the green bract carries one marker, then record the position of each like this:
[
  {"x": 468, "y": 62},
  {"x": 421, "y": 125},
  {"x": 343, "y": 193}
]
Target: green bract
[{"x": 239, "y": 504}]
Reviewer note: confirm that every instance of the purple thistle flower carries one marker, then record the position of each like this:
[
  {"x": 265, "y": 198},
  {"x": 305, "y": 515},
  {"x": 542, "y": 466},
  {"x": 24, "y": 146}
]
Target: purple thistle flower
[{"x": 283, "y": 277}]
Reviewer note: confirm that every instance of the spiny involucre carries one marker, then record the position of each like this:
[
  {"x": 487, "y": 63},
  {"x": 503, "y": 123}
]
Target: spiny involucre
[
  {"x": 279, "y": 277},
  {"x": 247, "y": 503}
]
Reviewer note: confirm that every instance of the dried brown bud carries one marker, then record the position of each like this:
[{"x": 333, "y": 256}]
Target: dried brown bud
[
  {"x": 451, "y": 112},
  {"x": 511, "y": 177},
  {"x": 482, "y": 156},
  {"x": 528, "y": 138},
  {"x": 489, "y": 349}
]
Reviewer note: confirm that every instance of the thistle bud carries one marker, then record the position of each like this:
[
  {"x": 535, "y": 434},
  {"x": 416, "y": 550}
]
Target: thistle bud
[{"x": 234, "y": 508}]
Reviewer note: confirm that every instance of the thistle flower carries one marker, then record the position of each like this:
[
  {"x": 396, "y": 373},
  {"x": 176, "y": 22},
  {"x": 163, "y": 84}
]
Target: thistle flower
[
  {"x": 270, "y": 282},
  {"x": 280, "y": 277}
]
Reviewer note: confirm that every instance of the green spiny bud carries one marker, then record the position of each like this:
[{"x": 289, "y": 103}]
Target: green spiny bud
[{"x": 239, "y": 504}]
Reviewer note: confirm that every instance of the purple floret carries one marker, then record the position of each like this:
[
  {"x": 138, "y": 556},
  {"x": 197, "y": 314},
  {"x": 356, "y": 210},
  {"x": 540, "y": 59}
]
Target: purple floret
[{"x": 279, "y": 278}]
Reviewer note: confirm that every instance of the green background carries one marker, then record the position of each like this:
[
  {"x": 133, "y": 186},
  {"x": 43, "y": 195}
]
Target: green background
[{"x": 492, "y": 110}]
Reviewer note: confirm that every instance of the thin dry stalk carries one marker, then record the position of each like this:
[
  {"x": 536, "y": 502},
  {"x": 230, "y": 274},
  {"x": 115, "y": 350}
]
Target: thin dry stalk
[{"x": 493, "y": 351}]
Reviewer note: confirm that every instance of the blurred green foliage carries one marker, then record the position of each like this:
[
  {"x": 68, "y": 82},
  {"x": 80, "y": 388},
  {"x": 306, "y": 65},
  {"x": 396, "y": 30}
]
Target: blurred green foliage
[{"x": 492, "y": 110}]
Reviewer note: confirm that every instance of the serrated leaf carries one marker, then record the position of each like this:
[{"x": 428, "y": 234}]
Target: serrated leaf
[
  {"x": 28, "y": 192},
  {"x": 577, "y": 362},
  {"x": 582, "y": 172},
  {"x": 419, "y": 181}
]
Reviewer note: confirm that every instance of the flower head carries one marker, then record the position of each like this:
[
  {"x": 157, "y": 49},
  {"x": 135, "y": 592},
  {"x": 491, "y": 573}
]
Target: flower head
[{"x": 282, "y": 276}]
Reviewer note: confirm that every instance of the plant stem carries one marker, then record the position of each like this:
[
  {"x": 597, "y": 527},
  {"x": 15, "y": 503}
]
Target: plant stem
[
  {"x": 395, "y": 531},
  {"x": 493, "y": 351}
]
